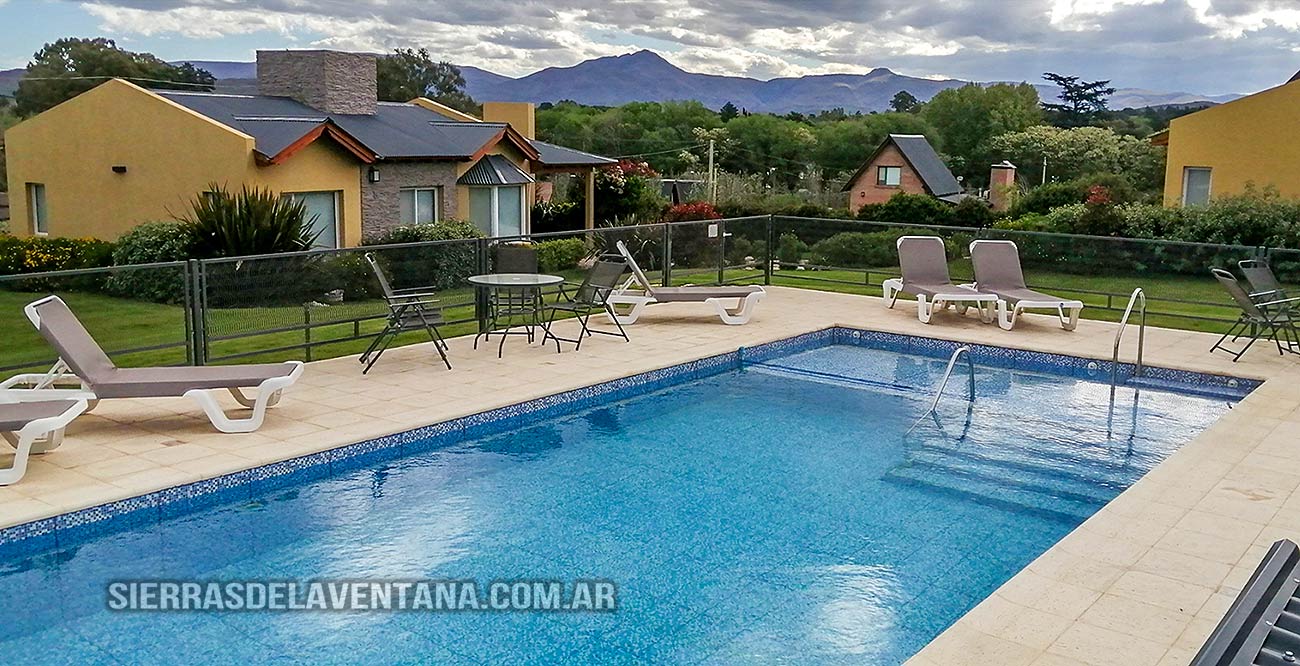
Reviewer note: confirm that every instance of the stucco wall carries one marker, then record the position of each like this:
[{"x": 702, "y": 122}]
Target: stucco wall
[
  {"x": 380, "y": 203},
  {"x": 1248, "y": 140},
  {"x": 866, "y": 191},
  {"x": 171, "y": 155}
]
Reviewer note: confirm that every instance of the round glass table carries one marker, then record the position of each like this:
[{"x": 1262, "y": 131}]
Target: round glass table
[{"x": 513, "y": 301}]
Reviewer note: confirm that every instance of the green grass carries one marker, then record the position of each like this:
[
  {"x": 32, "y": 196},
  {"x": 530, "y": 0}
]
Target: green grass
[{"x": 121, "y": 324}]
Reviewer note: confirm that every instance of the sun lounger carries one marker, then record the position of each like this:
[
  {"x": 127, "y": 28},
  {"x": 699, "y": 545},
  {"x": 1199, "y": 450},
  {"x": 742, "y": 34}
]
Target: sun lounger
[
  {"x": 1274, "y": 320},
  {"x": 80, "y": 357},
  {"x": 924, "y": 265},
  {"x": 34, "y": 427},
  {"x": 743, "y": 299},
  {"x": 997, "y": 271}
]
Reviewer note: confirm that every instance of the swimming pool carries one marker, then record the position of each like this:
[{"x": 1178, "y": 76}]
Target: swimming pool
[{"x": 776, "y": 511}]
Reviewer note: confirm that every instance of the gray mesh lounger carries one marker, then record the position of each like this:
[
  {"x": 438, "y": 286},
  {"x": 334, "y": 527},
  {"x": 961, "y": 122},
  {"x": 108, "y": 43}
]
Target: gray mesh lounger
[
  {"x": 924, "y": 264},
  {"x": 80, "y": 356},
  {"x": 25, "y": 424},
  {"x": 997, "y": 271},
  {"x": 745, "y": 298}
]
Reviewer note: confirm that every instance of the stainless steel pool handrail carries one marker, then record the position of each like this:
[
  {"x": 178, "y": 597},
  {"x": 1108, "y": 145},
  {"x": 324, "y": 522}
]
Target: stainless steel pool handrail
[
  {"x": 962, "y": 351},
  {"x": 1140, "y": 298}
]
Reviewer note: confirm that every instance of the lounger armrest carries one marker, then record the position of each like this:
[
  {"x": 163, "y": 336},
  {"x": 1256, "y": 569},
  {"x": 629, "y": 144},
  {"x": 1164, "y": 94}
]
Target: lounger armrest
[
  {"x": 1284, "y": 301},
  {"x": 1261, "y": 294},
  {"x": 409, "y": 293},
  {"x": 397, "y": 302}
]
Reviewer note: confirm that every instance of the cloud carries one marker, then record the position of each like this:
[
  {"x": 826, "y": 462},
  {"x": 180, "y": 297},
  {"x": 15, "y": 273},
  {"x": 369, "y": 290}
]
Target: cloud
[{"x": 1237, "y": 44}]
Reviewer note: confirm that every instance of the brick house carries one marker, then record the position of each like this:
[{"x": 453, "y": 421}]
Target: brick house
[{"x": 902, "y": 163}]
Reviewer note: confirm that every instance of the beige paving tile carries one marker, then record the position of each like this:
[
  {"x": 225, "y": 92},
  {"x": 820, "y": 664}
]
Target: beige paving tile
[{"x": 1098, "y": 646}]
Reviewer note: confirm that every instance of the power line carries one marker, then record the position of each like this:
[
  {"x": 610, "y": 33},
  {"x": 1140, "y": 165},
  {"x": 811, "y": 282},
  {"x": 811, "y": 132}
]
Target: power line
[
  {"x": 127, "y": 78},
  {"x": 663, "y": 152}
]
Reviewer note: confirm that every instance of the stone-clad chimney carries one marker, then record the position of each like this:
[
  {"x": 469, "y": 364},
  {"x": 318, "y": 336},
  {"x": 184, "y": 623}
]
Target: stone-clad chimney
[{"x": 328, "y": 81}]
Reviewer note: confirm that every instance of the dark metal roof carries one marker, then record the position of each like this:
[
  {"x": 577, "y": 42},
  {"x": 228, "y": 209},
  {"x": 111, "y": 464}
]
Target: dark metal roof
[
  {"x": 553, "y": 155},
  {"x": 918, "y": 152},
  {"x": 1262, "y": 628},
  {"x": 395, "y": 131},
  {"x": 494, "y": 170}
]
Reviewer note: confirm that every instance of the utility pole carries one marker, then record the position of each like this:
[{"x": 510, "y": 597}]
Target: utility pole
[
  {"x": 713, "y": 177},
  {"x": 1044, "y": 168}
]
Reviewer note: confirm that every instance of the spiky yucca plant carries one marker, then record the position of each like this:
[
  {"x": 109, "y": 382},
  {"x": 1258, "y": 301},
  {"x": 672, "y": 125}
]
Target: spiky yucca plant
[{"x": 252, "y": 221}]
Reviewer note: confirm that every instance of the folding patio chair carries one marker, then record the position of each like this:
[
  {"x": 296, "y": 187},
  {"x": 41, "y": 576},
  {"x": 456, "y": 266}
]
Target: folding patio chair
[
  {"x": 1263, "y": 284},
  {"x": 1271, "y": 319},
  {"x": 413, "y": 309},
  {"x": 591, "y": 297}
]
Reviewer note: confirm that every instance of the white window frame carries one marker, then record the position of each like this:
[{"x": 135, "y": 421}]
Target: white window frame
[
  {"x": 1209, "y": 184},
  {"x": 338, "y": 215},
  {"x": 496, "y": 209},
  {"x": 883, "y": 181},
  {"x": 34, "y": 211},
  {"x": 413, "y": 192}
]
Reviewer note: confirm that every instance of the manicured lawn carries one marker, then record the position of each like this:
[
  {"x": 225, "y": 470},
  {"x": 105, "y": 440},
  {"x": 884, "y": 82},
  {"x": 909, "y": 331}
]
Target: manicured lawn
[{"x": 121, "y": 324}]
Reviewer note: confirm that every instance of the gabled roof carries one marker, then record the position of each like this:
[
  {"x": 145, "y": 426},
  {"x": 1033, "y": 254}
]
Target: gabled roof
[
  {"x": 920, "y": 155},
  {"x": 559, "y": 156},
  {"x": 395, "y": 131},
  {"x": 494, "y": 170}
]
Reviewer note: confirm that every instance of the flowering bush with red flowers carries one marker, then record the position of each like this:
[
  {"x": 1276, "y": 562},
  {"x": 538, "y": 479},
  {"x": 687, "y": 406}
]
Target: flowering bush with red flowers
[{"x": 692, "y": 210}]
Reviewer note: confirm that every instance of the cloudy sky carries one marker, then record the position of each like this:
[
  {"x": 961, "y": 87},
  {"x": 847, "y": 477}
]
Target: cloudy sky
[{"x": 1202, "y": 46}]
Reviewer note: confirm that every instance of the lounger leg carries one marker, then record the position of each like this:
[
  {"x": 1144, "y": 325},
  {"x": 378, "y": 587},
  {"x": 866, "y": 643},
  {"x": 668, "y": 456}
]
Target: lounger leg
[
  {"x": 630, "y": 316},
  {"x": 743, "y": 312},
  {"x": 24, "y": 439},
  {"x": 268, "y": 393},
  {"x": 890, "y": 293},
  {"x": 1073, "y": 322},
  {"x": 924, "y": 309},
  {"x": 1007, "y": 315}
]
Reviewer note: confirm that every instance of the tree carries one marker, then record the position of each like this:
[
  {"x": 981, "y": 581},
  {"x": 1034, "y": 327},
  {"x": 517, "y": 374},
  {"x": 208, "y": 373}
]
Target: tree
[
  {"x": 70, "y": 66},
  {"x": 1082, "y": 102},
  {"x": 1082, "y": 151},
  {"x": 408, "y": 73},
  {"x": 843, "y": 146},
  {"x": 728, "y": 111},
  {"x": 778, "y": 149},
  {"x": 904, "y": 102},
  {"x": 966, "y": 118}
]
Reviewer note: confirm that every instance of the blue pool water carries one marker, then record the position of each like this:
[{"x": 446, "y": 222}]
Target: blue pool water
[{"x": 778, "y": 514}]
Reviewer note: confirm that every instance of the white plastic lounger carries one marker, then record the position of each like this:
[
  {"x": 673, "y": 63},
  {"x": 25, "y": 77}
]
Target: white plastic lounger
[
  {"x": 924, "y": 264},
  {"x": 743, "y": 300},
  {"x": 82, "y": 359},
  {"x": 998, "y": 272},
  {"x": 34, "y": 427}
]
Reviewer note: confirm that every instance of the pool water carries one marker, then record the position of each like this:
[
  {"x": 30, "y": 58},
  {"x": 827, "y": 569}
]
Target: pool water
[{"x": 778, "y": 514}]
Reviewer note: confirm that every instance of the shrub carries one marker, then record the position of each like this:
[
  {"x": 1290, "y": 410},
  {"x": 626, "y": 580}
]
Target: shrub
[
  {"x": 39, "y": 254},
  {"x": 856, "y": 249},
  {"x": 550, "y": 216},
  {"x": 560, "y": 254},
  {"x": 148, "y": 243},
  {"x": 253, "y": 221},
  {"x": 693, "y": 210},
  {"x": 907, "y": 208},
  {"x": 440, "y": 266},
  {"x": 1044, "y": 198},
  {"x": 973, "y": 212},
  {"x": 790, "y": 249}
]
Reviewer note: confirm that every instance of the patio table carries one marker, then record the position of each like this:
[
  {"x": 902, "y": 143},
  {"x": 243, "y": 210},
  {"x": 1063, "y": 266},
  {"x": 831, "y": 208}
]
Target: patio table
[{"x": 514, "y": 301}]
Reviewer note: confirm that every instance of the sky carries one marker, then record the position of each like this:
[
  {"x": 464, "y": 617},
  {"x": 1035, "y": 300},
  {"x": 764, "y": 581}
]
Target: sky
[{"x": 1199, "y": 46}]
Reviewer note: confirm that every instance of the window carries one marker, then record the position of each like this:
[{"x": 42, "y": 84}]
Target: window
[
  {"x": 497, "y": 211},
  {"x": 889, "y": 176},
  {"x": 322, "y": 214},
  {"x": 37, "y": 212},
  {"x": 419, "y": 205},
  {"x": 1196, "y": 186}
]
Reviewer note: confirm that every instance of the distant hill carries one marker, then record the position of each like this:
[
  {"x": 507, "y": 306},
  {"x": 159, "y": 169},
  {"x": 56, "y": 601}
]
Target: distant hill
[{"x": 647, "y": 77}]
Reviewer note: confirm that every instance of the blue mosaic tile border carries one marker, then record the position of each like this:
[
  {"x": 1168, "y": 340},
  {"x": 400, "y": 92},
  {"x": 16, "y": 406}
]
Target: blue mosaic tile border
[{"x": 71, "y": 528}]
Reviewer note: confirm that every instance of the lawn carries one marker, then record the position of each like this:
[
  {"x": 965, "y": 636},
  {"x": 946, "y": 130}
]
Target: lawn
[{"x": 159, "y": 330}]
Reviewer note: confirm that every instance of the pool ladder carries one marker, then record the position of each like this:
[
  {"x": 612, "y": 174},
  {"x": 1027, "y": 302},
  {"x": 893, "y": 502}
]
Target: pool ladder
[
  {"x": 961, "y": 352},
  {"x": 1140, "y": 299}
]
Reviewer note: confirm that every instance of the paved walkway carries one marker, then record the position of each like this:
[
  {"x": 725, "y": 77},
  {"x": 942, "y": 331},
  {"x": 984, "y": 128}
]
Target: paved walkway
[{"x": 1142, "y": 582}]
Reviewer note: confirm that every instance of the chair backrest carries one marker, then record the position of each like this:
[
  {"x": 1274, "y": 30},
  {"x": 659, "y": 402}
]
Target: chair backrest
[
  {"x": 636, "y": 270},
  {"x": 384, "y": 284},
  {"x": 997, "y": 264},
  {"x": 1260, "y": 276},
  {"x": 601, "y": 280},
  {"x": 514, "y": 258},
  {"x": 923, "y": 260},
  {"x": 1238, "y": 294},
  {"x": 56, "y": 323}
]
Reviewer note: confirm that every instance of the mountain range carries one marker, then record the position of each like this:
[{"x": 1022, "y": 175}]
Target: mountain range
[{"x": 646, "y": 76}]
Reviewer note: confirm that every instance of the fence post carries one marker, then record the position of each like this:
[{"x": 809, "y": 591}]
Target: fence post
[
  {"x": 722, "y": 251},
  {"x": 771, "y": 252},
  {"x": 198, "y": 313},
  {"x": 187, "y": 290},
  {"x": 481, "y": 250},
  {"x": 306, "y": 331},
  {"x": 667, "y": 276}
]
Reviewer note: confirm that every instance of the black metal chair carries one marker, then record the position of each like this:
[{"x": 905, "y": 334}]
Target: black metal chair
[
  {"x": 408, "y": 310},
  {"x": 509, "y": 304},
  {"x": 1259, "y": 319},
  {"x": 1263, "y": 283},
  {"x": 591, "y": 297}
]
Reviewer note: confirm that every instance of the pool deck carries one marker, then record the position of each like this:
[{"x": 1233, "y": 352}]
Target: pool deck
[{"x": 1143, "y": 581}]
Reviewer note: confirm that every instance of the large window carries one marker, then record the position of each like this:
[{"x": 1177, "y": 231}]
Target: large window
[
  {"x": 323, "y": 215},
  {"x": 37, "y": 212},
  {"x": 497, "y": 211},
  {"x": 419, "y": 205},
  {"x": 1196, "y": 186},
  {"x": 889, "y": 176}
]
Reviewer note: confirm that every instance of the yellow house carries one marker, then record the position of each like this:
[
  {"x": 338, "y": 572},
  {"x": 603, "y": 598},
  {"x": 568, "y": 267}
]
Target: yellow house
[
  {"x": 120, "y": 155},
  {"x": 1222, "y": 149}
]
